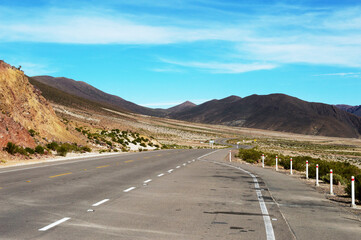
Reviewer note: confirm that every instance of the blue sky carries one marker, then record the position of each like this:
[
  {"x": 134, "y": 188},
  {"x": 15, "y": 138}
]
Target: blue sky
[{"x": 161, "y": 53}]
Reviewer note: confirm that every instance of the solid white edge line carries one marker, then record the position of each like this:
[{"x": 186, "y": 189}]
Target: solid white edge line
[
  {"x": 129, "y": 189},
  {"x": 159, "y": 175},
  {"x": 147, "y": 181},
  {"x": 100, "y": 202},
  {"x": 266, "y": 218},
  {"x": 54, "y": 224},
  {"x": 208, "y": 154}
]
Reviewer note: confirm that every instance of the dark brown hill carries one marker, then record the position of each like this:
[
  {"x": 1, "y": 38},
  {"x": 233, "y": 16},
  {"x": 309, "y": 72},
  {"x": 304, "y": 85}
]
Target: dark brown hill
[
  {"x": 351, "y": 109},
  {"x": 181, "y": 107},
  {"x": 86, "y": 91},
  {"x": 276, "y": 112}
]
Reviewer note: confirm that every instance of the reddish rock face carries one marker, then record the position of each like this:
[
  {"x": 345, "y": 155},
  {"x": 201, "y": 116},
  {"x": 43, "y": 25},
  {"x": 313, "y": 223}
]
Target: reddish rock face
[{"x": 11, "y": 131}]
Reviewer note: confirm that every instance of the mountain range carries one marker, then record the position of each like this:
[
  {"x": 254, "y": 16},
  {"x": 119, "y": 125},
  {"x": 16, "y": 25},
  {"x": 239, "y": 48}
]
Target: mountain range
[
  {"x": 277, "y": 112},
  {"x": 351, "y": 109}
]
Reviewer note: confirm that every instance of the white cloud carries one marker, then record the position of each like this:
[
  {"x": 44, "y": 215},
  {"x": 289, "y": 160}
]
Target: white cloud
[
  {"x": 33, "y": 69},
  {"x": 216, "y": 67},
  {"x": 348, "y": 74},
  {"x": 87, "y": 27},
  {"x": 267, "y": 39}
]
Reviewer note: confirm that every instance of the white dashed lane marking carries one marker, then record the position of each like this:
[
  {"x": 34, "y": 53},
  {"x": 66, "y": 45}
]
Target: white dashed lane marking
[
  {"x": 129, "y": 189},
  {"x": 100, "y": 202},
  {"x": 54, "y": 224}
]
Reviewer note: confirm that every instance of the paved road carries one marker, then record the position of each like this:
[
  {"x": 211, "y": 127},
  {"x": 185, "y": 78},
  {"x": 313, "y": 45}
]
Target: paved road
[{"x": 171, "y": 194}]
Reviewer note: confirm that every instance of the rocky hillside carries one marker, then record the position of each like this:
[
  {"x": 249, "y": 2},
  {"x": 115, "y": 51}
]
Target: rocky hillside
[
  {"x": 24, "y": 109},
  {"x": 86, "y": 91}
]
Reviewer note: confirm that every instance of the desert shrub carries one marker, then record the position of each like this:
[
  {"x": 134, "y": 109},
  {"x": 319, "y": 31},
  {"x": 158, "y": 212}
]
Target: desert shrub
[
  {"x": 39, "y": 149},
  {"x": 30, "y": 150},
  {"x": 11, "y": 148},
  {"x": 32, "y": 132},
  {"x": 249, "y": 155},
  {"x": 53, "y": 145},
  {"x": 86, "y": 149},
  {"x": 357, "y": 187},
  {"x": 62, "y": 150},
  {"x": 336, "y": 178},
  {"x": 143, "y": 145},
  {"x": 21, "y": 151}
]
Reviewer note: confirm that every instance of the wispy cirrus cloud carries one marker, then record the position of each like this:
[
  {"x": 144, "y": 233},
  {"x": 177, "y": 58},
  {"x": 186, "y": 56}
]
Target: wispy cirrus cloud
[
  {"x": 348, "y": 74},
  {"x": 219, "y": 67},
  {"x": 278, "y": 35}
]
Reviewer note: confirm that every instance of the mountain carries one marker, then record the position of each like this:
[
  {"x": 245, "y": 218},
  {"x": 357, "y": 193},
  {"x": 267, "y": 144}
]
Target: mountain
[
  {"x": 181, "y": 107},
  {"x": 86, "y": 91},
  {"x": 277, "y": 112},
  {"x": 351, "y": 109},
  {"x": 23, "y": 108}
]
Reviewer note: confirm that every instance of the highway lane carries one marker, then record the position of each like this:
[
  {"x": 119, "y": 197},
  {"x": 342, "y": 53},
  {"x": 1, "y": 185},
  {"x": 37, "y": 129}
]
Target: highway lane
[
  {"x": 168, "y": 194},
  {"x": 34, "y": 197}
]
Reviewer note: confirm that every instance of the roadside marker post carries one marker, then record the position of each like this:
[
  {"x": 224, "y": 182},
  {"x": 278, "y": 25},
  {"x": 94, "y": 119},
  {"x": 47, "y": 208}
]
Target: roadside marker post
[
  {"x": 276, "y": 163},
  {"x": 263, "y": 160},
  {"x": 331, "y": 182},
  {"x": 317, "y": 175},
  {"x": 353, "y": 205},
  {"x": 291, "y": 166},
  {"x": 230, "y": 155},
  {"x": 307, "y": 169}
]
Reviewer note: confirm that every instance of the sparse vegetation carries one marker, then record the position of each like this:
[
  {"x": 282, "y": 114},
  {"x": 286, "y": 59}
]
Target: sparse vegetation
[
  {"x": 62, "y": 150},
  {"x": 39, "y": 149},
  {"x": 33, "y": 133},
  {"x": 342, "y": 170},
  {"x": 12, "y": 148},
  {"x": 117, "y": 140}
]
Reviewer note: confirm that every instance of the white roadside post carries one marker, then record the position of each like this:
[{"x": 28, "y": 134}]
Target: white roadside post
[
  {"x": 307, "y": 169},
  {"x": 291, "y": 166},
  {"x": 211, "y": 143},
  {"x": 230, "y": 156},
  {"x": 276, "y": 163},
  {"x": 353, "y": 205},
  {"x": 317, "y": 175},
  {"x": 331, "y": 182},
  {"x": 263, "y": 160}
]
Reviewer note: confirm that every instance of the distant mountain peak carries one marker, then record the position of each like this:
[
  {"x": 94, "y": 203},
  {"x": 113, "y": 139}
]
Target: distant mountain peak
[
  {"x": 188, "y": 103},
  {"x": 230, "y": 99},
  {"x": 181, "y": 107}
]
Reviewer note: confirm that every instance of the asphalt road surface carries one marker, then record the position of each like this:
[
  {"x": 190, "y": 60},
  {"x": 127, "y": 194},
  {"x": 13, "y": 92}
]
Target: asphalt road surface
[{"x": 168, "y": 194}]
